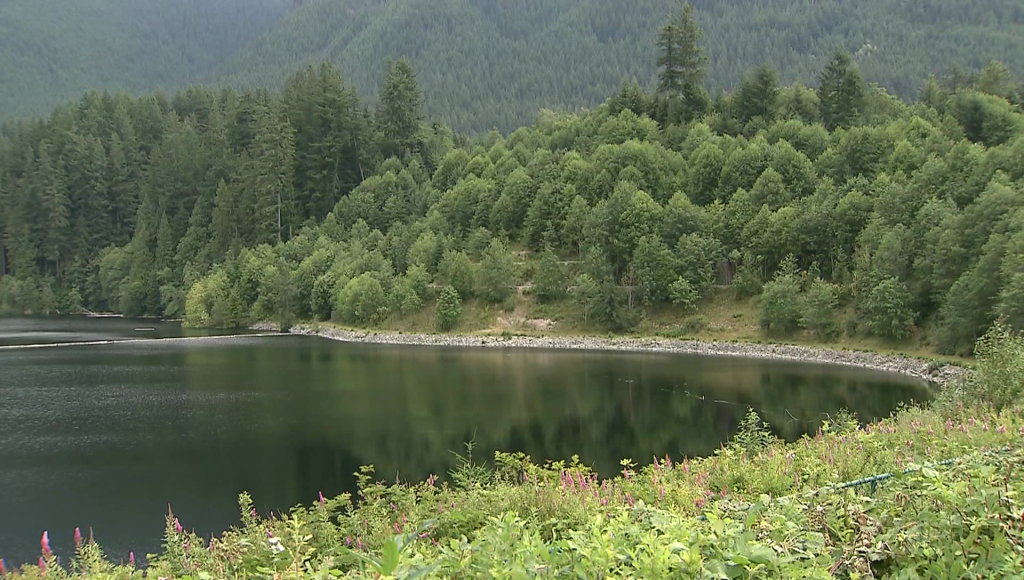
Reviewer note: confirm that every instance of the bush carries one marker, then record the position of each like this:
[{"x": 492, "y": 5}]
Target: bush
[
  {"x": 780, "y": 306},
  {"x": 457, "y": 271},
  {"x": 449, "y": 308},
  {"x": 887, "y": 309},
  {"x": 362, "y": 300},
  {"x": 747, "y": 282},
  {"x": 683, "y": 294},
  {"x": 496, "y": 275},
  {"x": 693, "y": 324},
  {"x": 998, "y": 379},
  {"x": 549, "y": 282},
  {"x": 818, "y": 309}
]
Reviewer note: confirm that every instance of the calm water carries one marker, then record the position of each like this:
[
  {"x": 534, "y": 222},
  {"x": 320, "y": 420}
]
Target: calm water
[{"x": 107, "y": 436}]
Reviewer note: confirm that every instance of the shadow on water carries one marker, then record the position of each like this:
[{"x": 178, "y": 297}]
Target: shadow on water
[{"x": 107, "y": 436}]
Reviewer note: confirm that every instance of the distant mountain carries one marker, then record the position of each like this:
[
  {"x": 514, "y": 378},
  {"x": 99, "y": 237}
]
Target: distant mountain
[
  {"x": 494, "y": 63},
  {"x": 482, "y": 63},
  {"x": 53, "y": 50}
]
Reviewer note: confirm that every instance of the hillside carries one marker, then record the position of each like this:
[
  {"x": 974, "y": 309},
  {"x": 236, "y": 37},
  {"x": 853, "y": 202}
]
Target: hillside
[
  {"x": 487, "y": 64},
  {"x": 52, "y": 51}
]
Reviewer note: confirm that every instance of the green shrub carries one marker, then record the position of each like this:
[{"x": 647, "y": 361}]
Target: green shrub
[
  {"x": 887, "y": 309},
  {"x": 449, "y": 308},
  {"x": 818, "y": 309},
  {"x": 362, "y": 300},
  {"x": 780, "y": 306},
  {"x": 683, "y": 294}
]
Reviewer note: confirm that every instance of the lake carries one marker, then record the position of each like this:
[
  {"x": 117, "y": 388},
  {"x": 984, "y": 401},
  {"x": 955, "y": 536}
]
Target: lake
[{"x": 106, "y": 436}]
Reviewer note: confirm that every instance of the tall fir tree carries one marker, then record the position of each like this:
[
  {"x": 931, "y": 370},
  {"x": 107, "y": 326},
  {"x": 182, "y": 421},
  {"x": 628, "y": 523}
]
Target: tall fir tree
[
  {"x": 841, "y": 94},
  {"x": 683, "y": 64},
  {"x": 399, "y": 114}
]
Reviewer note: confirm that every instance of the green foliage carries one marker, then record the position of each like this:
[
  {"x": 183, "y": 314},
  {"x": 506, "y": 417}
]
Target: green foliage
[
  {"x": 458, "y": 271},
  {"x": 496, "y": 273},
  {"x": 780, "y": 310},
  {"x": 449, "y": 308},
  {"x": 819, "y": 307},
  {"x": 998, "y": 379},
  {"x": 683, "y": 294},
  {"x": 362, "y": 300},
  {"x": 549, "y": 281},
  {"x": 842, "y": 92},
  {"x": 887, "y": 310}
]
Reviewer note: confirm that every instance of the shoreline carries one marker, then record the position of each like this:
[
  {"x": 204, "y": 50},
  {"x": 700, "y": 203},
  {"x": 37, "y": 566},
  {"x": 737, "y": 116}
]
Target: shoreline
[{"x": 916, "y": 368}]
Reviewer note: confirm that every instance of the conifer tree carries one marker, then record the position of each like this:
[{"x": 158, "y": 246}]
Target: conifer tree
[
  {"x": 682, "y": 63},
  {"x": 399, "y": 112},
  {"x": 841, "y": 94}
]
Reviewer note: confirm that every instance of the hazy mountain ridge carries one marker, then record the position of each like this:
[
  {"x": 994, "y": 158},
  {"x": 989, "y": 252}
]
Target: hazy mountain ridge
[{"x": 496, "y": 63}]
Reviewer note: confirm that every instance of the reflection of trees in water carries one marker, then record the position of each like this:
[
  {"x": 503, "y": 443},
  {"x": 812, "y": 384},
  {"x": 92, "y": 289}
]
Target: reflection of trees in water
[{"x": 404, "y": 409}]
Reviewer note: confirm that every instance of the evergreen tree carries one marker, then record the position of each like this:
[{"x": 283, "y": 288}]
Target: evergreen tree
[
  {"x": 399, "y": 113},
  {"x": 758, "y": 95},
  {"x": 682, "y": 63},
  {"x": 841, "y": 92}
]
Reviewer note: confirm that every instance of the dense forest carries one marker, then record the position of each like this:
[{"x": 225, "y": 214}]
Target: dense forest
[
  {"x": 482, "y": 63},
  {"x": 227, "y": 207},
  {"x": 55, "y": 50},
  {"x": 486, "y": 64}
]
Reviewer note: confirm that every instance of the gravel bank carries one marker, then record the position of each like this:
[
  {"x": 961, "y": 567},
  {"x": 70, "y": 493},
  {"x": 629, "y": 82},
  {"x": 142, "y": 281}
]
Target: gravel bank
[{"x": 895, "y": 364}]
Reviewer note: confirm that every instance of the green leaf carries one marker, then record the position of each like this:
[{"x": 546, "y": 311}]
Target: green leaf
[{"x": 389, "y": 560}]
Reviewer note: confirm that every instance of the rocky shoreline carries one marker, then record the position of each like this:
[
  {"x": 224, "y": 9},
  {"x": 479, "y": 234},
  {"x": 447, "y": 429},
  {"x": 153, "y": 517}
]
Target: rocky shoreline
[{"x": 939, "y": 376}]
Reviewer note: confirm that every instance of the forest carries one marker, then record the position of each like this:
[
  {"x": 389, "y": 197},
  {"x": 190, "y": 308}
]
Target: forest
[
  {"x": 485, "y": 64},
  {"x": 55, "y": 50},
  {"x": 228, "y": 208},
  {"x": 482, "y": 64}
]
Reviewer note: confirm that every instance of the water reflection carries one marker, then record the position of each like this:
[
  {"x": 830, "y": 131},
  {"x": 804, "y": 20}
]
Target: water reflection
[{"x": 108, "y": 436}]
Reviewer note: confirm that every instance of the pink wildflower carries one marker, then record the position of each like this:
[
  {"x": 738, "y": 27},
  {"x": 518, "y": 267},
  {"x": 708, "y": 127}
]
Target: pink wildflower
[
  {"x": 348, "y": 541},
  {"x": 45, "y": 543},
  {"x": 686, "y": 466},
  {"x": 322, "y": 500},
  {"x": 625, "y": 473},
  {"x": 78, "y": 537},
  {"x": 661, "y": 492},
  {"x": 359, "y": 544},
  {"x": 949, "y": 423},
  {"x": 430, "y": 480},
  {"x": 177, "y": 526},
  {"x": 398, "y": 530},
  {"x": 1001, "y": 429},
  {"x": 42, "y": 564},
  {"x": 629, "y": 499},
  {"x": 131, "y": 558},
  {"x": 3, "y": 567},
  {"x": 984, "y": 426}
]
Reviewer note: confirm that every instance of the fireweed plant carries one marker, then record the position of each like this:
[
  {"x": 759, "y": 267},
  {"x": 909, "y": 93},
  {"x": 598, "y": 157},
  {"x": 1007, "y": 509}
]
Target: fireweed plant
[{"x": 757, "y": 508}]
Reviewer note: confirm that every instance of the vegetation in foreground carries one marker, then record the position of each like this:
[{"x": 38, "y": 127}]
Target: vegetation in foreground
[{"x": 757, "y": 508}]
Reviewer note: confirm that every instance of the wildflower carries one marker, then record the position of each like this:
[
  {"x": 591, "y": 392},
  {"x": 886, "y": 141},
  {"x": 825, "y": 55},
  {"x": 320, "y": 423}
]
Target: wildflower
[
  {"x": 440, "y": 508},
  {"x": 393, "y": 508},
  {"x": 131, "y": 558},
  {"x": 275, "y": 545},
  {"x": 3, "y": 567},
  {"x": 910, "y": 443},
  {"x": 984, "y": 426},
  {"x": 930, "y": 430},
  {"x": 359, "y": 544},
  {"x": 348, "y": 541},
  {"x": 403, "y": 518},
  {"x": 657, "y": 465},
  {"x": 949, "y": 423},
  {"x": 1001, "y": 429},
  {"x": 629, "y": 499},
  {"x": 431, "y": 480},
  {"x": 42, "y": 564},
  {"x": 625, "y": 472},
  {"x": 78, "y": 537},
  {"x": 686, "y": 466},
  {"x": 253, "y": 512},
  {"x": 177, "y": 526},
  {"x": 661, "y": 492},
  {"x": 398, "y": 530},
  {"x": 45, "y": 543},
  {"x": 668, "y": 461},
  {"x": 322, "y": 500}
]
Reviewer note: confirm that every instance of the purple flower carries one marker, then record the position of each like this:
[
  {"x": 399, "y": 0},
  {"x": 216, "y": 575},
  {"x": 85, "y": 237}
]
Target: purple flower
[
  {"x": 348, "y": 541},
  {"x": 431, "y": 480},
  {"x": 78, "y": 537},
  {"x": 177, "y": 526},
  {"x": 359, "y": 544},
  {"x": 45, "y": 543},
  {"x": 253, "y": 512},
  {"x": 322, "y": 500},
  {"x": 398, "y": 530},
  {"x": 131, "y": 558}
]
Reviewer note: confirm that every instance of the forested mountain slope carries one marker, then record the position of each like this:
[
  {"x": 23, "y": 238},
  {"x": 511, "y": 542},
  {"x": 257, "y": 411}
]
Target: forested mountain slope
[
  {"x": 54, "y": 50},
  {"x": 488, "y": 63}
]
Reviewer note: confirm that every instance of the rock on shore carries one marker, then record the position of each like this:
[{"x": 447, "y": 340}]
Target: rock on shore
[{"x": 889, "y": 363}]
